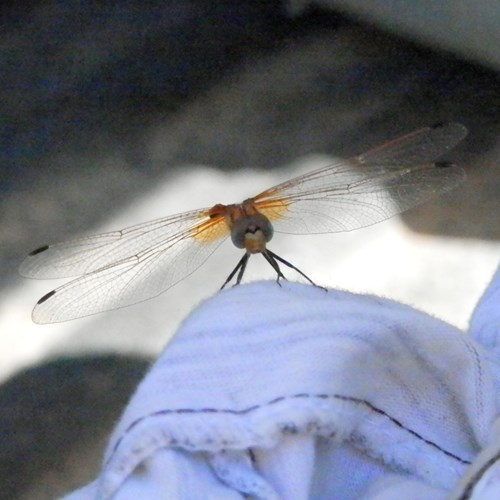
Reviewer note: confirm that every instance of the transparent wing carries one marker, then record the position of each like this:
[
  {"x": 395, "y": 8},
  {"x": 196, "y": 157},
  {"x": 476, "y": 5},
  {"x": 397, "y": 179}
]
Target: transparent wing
[
  {"x": 118, "y": 271},
  {"x": 84, "y": 255},
  {"x": 368, "y": 188}
]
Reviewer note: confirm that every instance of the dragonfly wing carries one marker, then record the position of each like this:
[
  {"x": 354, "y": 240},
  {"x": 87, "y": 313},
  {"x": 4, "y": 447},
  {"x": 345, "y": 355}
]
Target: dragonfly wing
[
  {"x": 366, "y": 189},
  {"x": 421, "y": 146},
  {"x": 87, "y": 254},
  {"x": 131, "y": 280}
]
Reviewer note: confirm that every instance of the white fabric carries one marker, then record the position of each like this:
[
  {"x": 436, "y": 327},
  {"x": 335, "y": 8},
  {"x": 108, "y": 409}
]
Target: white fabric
[{"x": 294, "y": 392}]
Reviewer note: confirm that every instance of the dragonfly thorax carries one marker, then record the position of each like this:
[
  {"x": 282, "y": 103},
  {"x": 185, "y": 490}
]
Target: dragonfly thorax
[{"x": 251, "y": 232}]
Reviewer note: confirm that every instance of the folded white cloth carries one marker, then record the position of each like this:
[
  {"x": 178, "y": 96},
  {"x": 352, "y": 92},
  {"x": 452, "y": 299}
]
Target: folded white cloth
[{"x": 295, "y": 392}]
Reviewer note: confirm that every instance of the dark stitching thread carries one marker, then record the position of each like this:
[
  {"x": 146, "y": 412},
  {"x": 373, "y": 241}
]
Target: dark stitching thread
[
  {"x": 399, "y": 424},
  {"x": 187, "y": 411}
]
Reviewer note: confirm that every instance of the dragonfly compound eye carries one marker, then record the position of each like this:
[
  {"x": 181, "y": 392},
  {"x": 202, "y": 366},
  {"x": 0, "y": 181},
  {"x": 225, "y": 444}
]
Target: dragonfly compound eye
[{"x": 249, "y": 228}]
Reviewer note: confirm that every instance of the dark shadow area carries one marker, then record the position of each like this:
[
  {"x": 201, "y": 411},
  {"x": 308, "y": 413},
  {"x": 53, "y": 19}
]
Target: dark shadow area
[{"x": 55, "y": 420}]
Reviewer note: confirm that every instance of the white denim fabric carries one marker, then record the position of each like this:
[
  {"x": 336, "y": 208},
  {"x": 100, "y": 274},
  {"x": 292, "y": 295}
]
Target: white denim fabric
[{"x": 293, "y": 392}]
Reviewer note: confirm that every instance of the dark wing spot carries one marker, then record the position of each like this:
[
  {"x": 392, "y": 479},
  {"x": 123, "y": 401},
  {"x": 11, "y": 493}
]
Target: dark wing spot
[
  {"x": 443, "y": 164},
  {"x": 46, "y": 297},
  {"x": 38, "y": 250}
]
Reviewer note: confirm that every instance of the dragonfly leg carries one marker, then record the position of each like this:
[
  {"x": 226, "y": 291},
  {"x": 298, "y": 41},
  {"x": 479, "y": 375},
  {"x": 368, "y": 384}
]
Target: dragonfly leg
[
  {"x": 283, "y": 261},
  {"x": 241, "y": 266},
  {"x": 270, "y": 257},
  {"x": 243, "y": 262}
]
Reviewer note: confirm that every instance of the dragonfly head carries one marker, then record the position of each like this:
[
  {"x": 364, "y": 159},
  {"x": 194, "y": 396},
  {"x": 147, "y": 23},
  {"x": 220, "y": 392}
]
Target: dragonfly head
[{"x": 251, "y": 232}]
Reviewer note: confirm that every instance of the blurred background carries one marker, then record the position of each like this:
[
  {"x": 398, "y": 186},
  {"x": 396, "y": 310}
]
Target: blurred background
[{"x": 114, "y": 113}]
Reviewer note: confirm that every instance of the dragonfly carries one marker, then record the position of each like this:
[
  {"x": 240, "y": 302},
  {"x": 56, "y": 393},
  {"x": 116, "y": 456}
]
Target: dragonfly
[{"x": 120, "y": 268}]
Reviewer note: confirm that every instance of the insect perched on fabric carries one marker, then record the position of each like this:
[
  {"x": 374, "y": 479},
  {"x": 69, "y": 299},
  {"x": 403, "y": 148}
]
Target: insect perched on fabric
[{"x": 120, "y": 268}]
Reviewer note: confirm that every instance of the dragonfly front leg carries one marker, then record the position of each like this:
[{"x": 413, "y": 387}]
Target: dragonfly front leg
[{"x": 241, "y": 266}]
